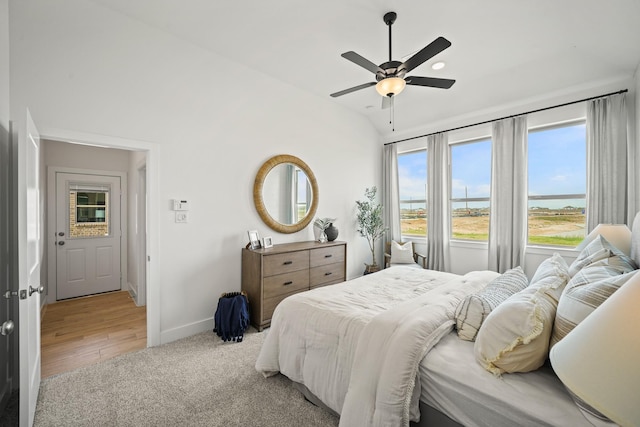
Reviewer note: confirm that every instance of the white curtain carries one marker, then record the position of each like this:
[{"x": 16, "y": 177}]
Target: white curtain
[
  {"x": 607, "y": 157},
  {"x": 438, "y": 219},
  {"x": 391, "y": 194},
  {"x": 508, "y": 211}
]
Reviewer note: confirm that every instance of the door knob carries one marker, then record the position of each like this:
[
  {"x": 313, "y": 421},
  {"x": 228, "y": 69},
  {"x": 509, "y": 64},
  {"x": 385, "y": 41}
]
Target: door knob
[
  {"x": 7, "y": 327},
  {"x": 33, "y": 290},
  {"x": 61, "y": 242}
]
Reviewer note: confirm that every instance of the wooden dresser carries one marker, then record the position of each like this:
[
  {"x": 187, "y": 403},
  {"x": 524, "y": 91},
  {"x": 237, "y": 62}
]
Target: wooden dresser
[{"x": 270, "y": 275}]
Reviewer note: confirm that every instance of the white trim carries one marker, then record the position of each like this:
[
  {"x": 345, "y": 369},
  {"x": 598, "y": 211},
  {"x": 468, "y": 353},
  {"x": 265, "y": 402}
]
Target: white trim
[
  {"x": 141, "y": 220},
  {"x": 188, "y": 330},
  {"x": 153, "y": 209}
]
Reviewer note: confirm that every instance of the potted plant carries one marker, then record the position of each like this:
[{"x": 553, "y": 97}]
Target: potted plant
[{"x": 370, "y": 224}]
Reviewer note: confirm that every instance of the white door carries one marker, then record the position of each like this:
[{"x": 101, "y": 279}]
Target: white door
[
  {"x": 87, "y": 234},
  {"x": 29, "y": 255}
]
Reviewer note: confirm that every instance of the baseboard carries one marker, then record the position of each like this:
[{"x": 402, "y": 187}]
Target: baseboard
[
  {"x": 186, "y": 330},
  {"x": 132, "y": 291}
]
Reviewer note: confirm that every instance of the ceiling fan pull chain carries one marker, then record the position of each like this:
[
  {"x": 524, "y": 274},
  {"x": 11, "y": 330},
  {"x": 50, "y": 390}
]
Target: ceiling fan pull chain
[{"x": 393, "y": 114}]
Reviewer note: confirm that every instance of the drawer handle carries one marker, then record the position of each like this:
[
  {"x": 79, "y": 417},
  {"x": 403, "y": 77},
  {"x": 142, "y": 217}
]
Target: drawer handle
[
  {"x": 328, "y": 256},
  {"x": 288, "y": 262},
  {"x": 328, "y": 273},
  {"x": 288, "y": 283}
]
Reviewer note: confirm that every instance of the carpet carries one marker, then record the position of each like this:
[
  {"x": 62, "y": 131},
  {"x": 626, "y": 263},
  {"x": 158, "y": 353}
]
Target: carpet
[{"x": 196, "y": 381}]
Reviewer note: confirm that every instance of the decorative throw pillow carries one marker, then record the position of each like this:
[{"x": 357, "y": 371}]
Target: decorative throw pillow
[
  {"x": 515, "y": 336},
  {"x": 402, "y": 253},
  {"x": 472, "y": 310},
  {"x": 589, "y": 288},
  {"x": 553, "y": 266},
  {"x": 595, "y": 251}
]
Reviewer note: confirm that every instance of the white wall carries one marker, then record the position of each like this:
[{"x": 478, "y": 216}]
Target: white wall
[{"x": 83, "y": 68}]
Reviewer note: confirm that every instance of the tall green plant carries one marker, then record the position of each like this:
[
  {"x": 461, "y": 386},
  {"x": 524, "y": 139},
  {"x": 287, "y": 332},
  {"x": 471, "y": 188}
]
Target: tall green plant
[{"x": 369, "y": 220}]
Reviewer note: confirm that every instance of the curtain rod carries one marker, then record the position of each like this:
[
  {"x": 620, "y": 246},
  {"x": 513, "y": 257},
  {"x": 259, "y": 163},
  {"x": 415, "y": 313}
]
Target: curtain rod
[{"x": 511, "y": 116}]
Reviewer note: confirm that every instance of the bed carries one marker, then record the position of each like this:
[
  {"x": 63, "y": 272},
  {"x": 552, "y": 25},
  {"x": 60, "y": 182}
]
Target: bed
[{"x": 383, "y": 349}]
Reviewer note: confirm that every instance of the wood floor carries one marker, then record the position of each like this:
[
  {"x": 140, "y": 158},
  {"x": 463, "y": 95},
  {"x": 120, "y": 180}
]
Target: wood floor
[{"x": 84, "y": 331}]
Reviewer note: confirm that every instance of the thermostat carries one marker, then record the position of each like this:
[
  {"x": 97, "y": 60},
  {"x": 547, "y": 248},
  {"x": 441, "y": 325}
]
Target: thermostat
[{"x": 180, "y": 205}]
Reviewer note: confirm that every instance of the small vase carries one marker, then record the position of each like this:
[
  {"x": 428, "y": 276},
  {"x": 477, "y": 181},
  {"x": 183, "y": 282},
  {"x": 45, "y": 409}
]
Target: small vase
[
  {"x": 323, "y": 237},
  {"x": 332, "y": 232}
]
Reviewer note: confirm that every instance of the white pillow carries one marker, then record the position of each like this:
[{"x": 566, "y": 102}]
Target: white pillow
[
  {"x": 515, "y": 336},
  {"x": 474, "y": 308},
  {"x": 597, "y": 250},
  {"x": 589, "y": 288},
  {"x": 402, "y": 253}
]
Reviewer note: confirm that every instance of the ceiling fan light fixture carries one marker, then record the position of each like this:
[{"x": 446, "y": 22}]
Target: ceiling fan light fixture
[
  {"x": 438, "y": 65},
  {"x": 390, "y": 86}
]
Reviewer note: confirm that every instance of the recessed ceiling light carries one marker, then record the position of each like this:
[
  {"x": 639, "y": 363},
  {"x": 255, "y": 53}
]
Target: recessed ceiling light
[{"x": 438, "y": 65}]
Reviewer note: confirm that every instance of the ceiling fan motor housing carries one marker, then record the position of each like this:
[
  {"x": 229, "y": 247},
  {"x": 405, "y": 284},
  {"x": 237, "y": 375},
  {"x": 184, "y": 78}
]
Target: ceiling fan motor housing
[{"x": 391, "y": 69}]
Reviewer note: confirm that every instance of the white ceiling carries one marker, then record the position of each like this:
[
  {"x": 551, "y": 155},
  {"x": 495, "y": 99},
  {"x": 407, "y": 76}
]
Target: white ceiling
[{"x": 503, "y": 51}]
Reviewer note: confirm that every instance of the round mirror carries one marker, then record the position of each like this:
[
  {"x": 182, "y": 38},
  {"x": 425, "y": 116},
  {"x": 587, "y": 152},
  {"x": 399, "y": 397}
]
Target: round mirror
[{"x": 285, "y": 193}]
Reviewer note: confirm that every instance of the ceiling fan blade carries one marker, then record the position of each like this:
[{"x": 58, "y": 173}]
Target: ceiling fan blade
[
  {"x": 430, "y": 81},
  {"x": 361, "y": 61},
  {"x": 353, "y": 89},
  {"x": 386, "y": 102},
  {"x": 427, "y": 52}
]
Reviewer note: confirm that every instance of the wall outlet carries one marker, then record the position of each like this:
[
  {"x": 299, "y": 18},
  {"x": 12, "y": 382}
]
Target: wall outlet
[{"x": 181, "y": 217}]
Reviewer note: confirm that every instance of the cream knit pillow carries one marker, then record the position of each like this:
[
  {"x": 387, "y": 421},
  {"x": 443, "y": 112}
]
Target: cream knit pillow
[
  {"x": 475, "y": 308},
  {"x": 515, "y": 336}
]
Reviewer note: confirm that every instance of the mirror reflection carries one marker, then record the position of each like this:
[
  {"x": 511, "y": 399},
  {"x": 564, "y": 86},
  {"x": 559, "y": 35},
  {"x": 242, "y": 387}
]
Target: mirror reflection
[{"x": 287, "y": 194}]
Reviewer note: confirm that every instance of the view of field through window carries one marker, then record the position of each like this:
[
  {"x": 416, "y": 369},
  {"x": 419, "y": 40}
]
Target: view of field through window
[{"x": 556, "y": 179}]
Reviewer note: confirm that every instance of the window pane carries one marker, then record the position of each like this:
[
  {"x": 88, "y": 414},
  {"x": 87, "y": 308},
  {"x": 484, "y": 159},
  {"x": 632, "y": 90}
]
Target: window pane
[
  {"x": 558, "y": 161},
  {"x": 470, "y": 179},
  {"x": 88, "y": 214},
  {"x": 412, "y": 182},
  {"x": 470, "y": 220},
  {"x": 557, "y": 167},
  {"x": 559, "y": 222}
]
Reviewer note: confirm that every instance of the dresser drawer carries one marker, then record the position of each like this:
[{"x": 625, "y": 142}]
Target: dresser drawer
[
  {"x": 269, "y": 304},
  {"x": 328, "y": 255},
  {"x": 285, "y": 283},
  {"x": 285, "y": 263},
  {"x": 327, "y": 273}
]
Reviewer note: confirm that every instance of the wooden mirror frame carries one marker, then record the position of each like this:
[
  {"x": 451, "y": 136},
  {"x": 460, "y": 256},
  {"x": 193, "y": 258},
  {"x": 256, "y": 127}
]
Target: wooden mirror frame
[{"x": 259, "y": 201}]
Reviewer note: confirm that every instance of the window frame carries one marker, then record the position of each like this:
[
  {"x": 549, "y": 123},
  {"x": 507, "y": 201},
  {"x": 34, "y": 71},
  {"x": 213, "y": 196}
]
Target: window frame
[
  {"x": 409, "y": 237},
  {"x": 453, "y": 200},
  {"x": 573, "y": 196}
]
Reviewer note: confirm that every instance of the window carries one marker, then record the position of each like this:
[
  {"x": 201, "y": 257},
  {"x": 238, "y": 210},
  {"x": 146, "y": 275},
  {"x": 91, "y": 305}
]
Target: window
[
  {"x": 557, "y": 185},
  {"x": 470, "y": 190},
  {"x": 412, "y": 183}
]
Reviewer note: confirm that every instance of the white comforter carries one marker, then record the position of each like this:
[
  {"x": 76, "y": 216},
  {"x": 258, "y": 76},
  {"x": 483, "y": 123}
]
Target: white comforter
[{"x": 357, "y": 345}]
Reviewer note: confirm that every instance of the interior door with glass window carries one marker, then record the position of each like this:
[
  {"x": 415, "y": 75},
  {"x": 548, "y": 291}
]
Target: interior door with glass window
[{"x": 87, "y": 234}]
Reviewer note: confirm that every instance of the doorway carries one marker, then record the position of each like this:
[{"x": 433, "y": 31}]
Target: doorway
[{"x": 89, "y": 250}]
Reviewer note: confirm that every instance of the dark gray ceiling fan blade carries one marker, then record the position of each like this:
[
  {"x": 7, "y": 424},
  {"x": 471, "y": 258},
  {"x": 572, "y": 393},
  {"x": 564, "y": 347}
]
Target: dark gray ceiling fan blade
[
  {"x": 386, "y": 102},
  {"x": 427, "y": 52},
  {"x": 353, "y": 89},
  {"x": 361, "y": 61},
  {"x": 430, "y": 81}
]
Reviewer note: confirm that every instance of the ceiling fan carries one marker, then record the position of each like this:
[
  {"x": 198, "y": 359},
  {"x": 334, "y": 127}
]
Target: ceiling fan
[{"x": 391, "y": 76}]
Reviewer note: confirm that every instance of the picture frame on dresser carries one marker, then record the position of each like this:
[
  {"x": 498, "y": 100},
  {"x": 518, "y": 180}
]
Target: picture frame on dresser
[
  {"x": 254, "y": 239},
  {"x": 267, "y": 242}
]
